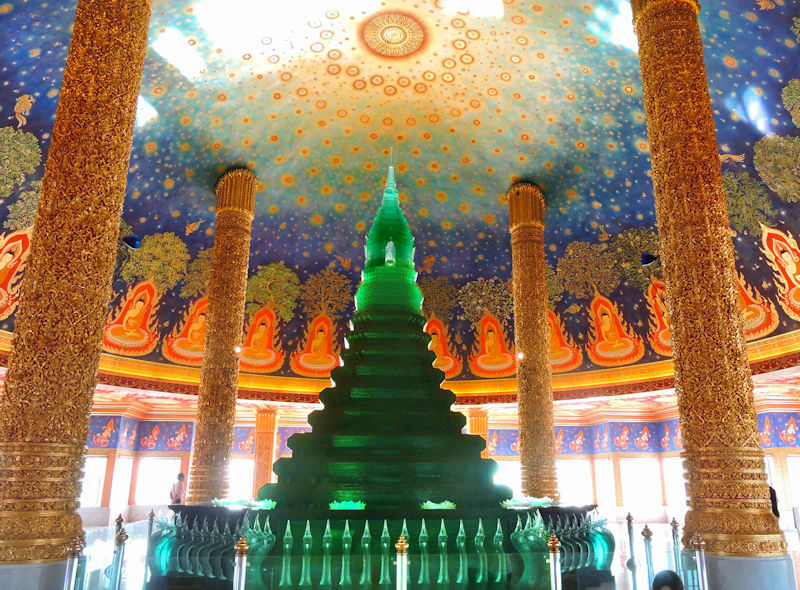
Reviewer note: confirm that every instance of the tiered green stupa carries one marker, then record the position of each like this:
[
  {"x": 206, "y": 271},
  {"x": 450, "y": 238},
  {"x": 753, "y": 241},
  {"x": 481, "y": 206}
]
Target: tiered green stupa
[{"x": 386, "y": 435}]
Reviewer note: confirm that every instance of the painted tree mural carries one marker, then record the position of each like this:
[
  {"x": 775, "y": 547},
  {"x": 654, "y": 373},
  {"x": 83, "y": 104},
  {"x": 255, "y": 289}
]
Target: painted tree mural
[
  {"x": 584, "y": 266},
  {"x": 20, "y": 154},
  {"x": 777, "y": 160},
  {"x": 748, "y": 202},
  {"x": 195, "y": 282},
  {"x": 276, "y": 286},
  {"x": 791, "y": 100},
  {"x": 555, "y": 286},
  {"x": 440, "y": 297},
  {"x": 483, "y": 296},
  {"x": 161, "y": 257},
  {"x": 326, "y": 293},
  {"x": 625, "y": 249},
  {"x": 22, "y": 212}
]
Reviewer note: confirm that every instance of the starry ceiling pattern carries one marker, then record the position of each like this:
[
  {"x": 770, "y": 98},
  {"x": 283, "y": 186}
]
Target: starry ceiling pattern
[{"x": 471, "y": 96}]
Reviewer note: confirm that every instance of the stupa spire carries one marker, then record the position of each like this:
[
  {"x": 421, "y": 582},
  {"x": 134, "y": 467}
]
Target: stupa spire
[{"x": 390, "y": 192}]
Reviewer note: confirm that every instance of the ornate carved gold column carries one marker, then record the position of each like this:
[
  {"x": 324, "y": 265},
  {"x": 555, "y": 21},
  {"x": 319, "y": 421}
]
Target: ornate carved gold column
[
  {"x": 44, "y": 411},
  {"x": 532, "y": 337},
  {"x": 726, "y": 483},
  {"x": 266, "y": 426},
  {"x": 216, "y": 402},
  {"x": 478, "y": 423}
]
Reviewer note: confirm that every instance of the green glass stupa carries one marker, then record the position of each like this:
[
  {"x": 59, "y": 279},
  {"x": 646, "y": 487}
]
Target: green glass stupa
[{"x": 386, "y": 436}]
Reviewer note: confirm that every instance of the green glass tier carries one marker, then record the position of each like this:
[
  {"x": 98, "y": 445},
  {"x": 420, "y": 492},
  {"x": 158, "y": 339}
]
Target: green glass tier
[{"x": 386, "y": 435}]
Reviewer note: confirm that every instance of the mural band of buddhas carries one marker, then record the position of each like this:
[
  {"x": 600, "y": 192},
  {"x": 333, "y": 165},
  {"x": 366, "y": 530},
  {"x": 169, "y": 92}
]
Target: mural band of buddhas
[{"x": 471, "y": 103}]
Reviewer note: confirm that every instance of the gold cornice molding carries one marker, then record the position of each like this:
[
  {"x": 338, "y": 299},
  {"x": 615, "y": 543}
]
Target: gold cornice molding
[{"x": 764, "y": 350}]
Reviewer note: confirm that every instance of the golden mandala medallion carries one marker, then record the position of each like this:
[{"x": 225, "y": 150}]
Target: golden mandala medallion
[{"x": 393, "y": 35}]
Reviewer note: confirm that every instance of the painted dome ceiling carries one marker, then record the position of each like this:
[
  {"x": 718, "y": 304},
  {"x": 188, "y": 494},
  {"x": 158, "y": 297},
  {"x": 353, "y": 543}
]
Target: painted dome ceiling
[{"x": 471, "y": 96}]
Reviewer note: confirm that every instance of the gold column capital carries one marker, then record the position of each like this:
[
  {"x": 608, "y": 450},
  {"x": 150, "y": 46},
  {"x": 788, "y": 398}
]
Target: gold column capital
[
  {"x": 266, "y": 419},
  {"x": 641, "y": 6},
  {"x": 237, "y": 190},
  {"x": 526, "y": 206}
]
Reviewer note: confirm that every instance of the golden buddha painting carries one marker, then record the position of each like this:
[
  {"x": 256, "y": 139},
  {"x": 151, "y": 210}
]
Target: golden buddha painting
[
  {"x": 185, "y": 344},
  {"x": 14, "y": 249},
  {"x": 491, "y": 356},
  {"x": 449, "y": 363},
  {"x": 611, "y": 342},
  {"x": 131, "y": 328},
  {"x": 316, "y": 357},
  {"x": 783, "y": 256},
  {"x": 759, "y": 315},
  {"x": 565, "y": 355},
  {"x": 260, "y": 351},
  {"x": 660, "y": 334}
]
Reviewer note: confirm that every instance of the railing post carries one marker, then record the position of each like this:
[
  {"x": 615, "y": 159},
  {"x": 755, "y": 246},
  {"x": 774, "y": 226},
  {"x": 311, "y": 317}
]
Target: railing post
[
  {"x": 631, "y": 563},
  {"x": 150, "y": 518},
  {"x": 402, "y": 563},
  {"x": 676, "y": 549},
  {"x": 555, "y": 562},
  {"x": 73, "y": 557},
  {"x": 648, "y": 553},
  {"x": 699, "y": 547},
  {"x": 240, "y": 563},
  {"x": 118, "y": 521},
  {"x": 119, "y": 559}
]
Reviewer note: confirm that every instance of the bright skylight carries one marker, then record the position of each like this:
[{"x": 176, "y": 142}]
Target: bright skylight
[
  {"x": 174, "y": 47},
  {"x": 615, "y": 25},
  {"x": 240, "y": 26},
  {"x": 145, "y": 112},
  {"x": 493, "y": 8}
]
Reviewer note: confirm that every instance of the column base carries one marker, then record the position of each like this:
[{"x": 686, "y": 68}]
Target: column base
[
  {"x": 775, "y": 573},
  {"x": 48, "y": 574}
]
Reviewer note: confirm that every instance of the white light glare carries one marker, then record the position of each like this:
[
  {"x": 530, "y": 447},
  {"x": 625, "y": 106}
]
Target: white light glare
[
  {"x": 491, "y": 8},
  {"x": 174, "y": 47},
  {"x": 145, "y": 112},
  {"x": 520, "y": 355},
  {"x": 239, "y": 26},
  {"x": 616, "y": 27}
]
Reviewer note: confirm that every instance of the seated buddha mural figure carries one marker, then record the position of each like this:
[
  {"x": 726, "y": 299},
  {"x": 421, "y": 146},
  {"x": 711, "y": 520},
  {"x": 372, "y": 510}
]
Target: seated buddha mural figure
[
  {"x": 260, "y": 352},
  {"x": 185, "y": 344},
  {"x": 765, "y": 435},
  {"x": 611, "y": 342},
  {"x": 758, "y": 313},
  {"x": 491, "y": 356},
  {"x": 660, "y": 334},
  {"x": 565, "y": 355},
  {"x": 316, "y": 357},
  {"x": 131, "y": 328},
  {"x": 440, "y": 345},
  {"x": 783, "y": 256},
  {"x": 14, "y": 249}
]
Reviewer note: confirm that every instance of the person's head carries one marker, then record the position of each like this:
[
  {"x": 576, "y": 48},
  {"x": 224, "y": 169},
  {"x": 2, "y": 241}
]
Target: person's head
[
  {"x": 667, "y": 580},
  {"x": 181, "y": 477}
]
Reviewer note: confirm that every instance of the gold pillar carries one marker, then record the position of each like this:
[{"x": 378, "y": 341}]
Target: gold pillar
[
  {"x": 478, "y": 423},
  {"x": 44, "y": 411},
  {"x": 219, "y": 378},
  {"x": 266, "y": 426},
  {"x": 532, "y": 337},
  {"x": 727, "y": 489}
]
